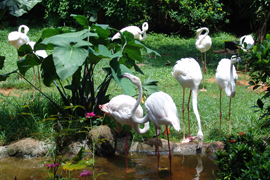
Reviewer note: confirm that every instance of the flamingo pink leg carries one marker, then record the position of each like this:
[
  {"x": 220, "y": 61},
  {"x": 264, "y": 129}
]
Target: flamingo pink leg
[
  {"x": 205, "y": 68},
  {"x": 170, "y": 155},
  {"x": 220, "y": 114},
  {"x": 34, "y": 82},
  {"x": 126, "y": 147},
  {"x": 190, "y": 138},
  {"x": 183, "y": 114},
  {"x": 230, "y": 126},
  {"x": 158, "y": 155}
]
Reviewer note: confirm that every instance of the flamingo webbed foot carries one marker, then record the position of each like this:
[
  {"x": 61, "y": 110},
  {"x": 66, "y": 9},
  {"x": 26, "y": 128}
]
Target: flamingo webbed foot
[{"x": 203, "y": 89}]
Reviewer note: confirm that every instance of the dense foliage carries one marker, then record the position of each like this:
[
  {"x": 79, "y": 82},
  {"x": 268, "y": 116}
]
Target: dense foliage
[
  {"x": 163, "y": 15},
  {"x": 243, "y": 157},
  {"x": 258, "y": 59}
]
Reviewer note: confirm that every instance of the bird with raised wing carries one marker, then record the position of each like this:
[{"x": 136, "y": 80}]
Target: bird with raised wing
[
  {"x": 138, "y": 34},
  {"x": 160, "y": 109},
  {"x": 203, "y": 44},
  {"x": 226, "y": 78},
  {"x": 188, "y": 73}
]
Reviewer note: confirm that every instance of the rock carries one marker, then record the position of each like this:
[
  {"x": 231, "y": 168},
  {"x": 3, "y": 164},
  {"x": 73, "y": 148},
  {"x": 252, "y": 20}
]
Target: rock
[
  {"x": 75, "y": 147},
  {"x": 105, "y": 141},
  {"x": 27, "y": 148},
  {"x": 121, "y": 140},
  {"x": 213, "y": 147}
]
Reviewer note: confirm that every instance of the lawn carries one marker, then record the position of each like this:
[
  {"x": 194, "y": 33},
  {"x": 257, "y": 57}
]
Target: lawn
[{"x": 22, "y": 117}]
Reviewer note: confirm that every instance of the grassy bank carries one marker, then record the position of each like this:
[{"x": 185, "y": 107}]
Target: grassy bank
[{"x": 22, "y": 117}]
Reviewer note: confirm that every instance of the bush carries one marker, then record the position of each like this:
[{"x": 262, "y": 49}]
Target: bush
[
  {"x": 243, "y": 157},
  {"x": 163, "y": 16},
  {"x": 258, "y": 60}
]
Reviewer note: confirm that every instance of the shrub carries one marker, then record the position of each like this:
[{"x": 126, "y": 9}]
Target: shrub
[
  {"x": 258, "y": 60},
  {"x": 243, "y": 157}
]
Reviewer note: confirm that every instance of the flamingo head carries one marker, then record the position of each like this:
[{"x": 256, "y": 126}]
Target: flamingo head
[
  {"x": 199, "y": 31},
  {"x": 235, "y": 59},
  {"x": 200, "y": 139},
  {"x": 134, "y": 79},
  {"x": 145, "y": 26}
]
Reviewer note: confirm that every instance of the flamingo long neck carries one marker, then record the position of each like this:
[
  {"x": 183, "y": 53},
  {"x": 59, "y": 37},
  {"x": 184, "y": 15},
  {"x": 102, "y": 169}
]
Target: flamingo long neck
[
  {"x": 195, "y": 108},
  {"x": 25, "y": 29},
  {"x": 203, "y": 36},
  {"x": 143, "y": 36},
  {"x": 133, "y": 110},
  {"x": 143, "y": 33},
  {"x": 230, "y": 91},
  {"x": 138, "y": 130}
]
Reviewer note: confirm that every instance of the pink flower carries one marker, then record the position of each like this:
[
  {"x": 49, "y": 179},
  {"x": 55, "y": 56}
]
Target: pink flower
[
  {"x": 52, "y": 165},
  {"x": 85, "y": 173},
  {"x": 91, "y": 114}
]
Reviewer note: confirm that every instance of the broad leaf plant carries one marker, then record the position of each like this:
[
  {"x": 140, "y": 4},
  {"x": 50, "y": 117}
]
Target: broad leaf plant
[{"x": 75, "y": 54}]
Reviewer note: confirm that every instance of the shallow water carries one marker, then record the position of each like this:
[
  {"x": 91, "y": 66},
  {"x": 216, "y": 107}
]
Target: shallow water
[{"x": 145, "y": 165}]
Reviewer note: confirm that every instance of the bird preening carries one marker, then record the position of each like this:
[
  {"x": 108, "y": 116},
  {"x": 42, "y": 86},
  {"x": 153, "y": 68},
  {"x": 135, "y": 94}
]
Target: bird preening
[
  {"x": 188, "y": 73},
  {"x": 138, "y": 34},
  {"x": 160, "y": 109},
  {"x": 226, "y": 78},
  {"x": 203, "y": 44}
]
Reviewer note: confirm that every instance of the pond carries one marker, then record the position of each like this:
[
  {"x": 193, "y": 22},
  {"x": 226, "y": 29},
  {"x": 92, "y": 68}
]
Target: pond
[{"x": 183, "y": 168}]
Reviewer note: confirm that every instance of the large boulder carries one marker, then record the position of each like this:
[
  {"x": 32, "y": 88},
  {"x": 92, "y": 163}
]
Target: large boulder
[
  {"x": 104, "y": 139},
  {"x": 27, "y": 148}
]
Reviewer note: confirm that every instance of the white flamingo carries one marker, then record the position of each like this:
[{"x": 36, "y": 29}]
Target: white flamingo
[
  {"x": 138, "y": 34},
  {"x": 39, "y": 53},
  {"x": 119, "y": 108},
  {"x": 188, "y": 73},
  {"x": 17, "y": 38},
  {"x": 248, "y": 39},
  {"x": 203, "y": 44},
  {"x": 160, "y": 109},
  {"x": 226, "y": 78}
]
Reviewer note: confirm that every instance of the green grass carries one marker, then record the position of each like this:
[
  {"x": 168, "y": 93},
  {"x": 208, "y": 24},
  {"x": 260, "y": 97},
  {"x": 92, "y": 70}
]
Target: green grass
[{"x": 14, "y": 126}]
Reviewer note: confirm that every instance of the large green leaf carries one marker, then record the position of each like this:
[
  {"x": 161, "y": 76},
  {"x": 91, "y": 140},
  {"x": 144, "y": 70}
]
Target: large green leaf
[
  {"x": 102, "y": 30},
  {"x": 68, "y": 57},
  {"x": 117, "y": 71},
  {"x": 133, "y": 52},
  {"x": 150, "y": 86},
  {"x": 18, "y": 7},
  {"x": 5, "y": 76},
  {"x": 69, "y": 37},
  {"x": 103, "y": 52},
  {"x": 48, "y": 71},
  {"x": 82, "y": 20},
  {"x": 30, "y": 61}
]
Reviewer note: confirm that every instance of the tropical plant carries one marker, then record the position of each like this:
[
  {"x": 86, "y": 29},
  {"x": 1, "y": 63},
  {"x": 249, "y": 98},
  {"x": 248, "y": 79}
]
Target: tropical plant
[
  {"x": 258, "y": 60},
  {"x": 74, "y": 59},
  {"x": 243, "y": 157},
  {"x": 17, "y": 7}
]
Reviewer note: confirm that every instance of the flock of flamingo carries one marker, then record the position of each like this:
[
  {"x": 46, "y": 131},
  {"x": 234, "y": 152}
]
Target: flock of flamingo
[{"x": 160, "y": 107}]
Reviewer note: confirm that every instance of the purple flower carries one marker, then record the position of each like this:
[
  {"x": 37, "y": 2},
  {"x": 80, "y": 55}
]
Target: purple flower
[
  {"x": 85, "y": 173},
  {"x": 52, "y": 165},
  {"x": 91, "y": 114}
]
